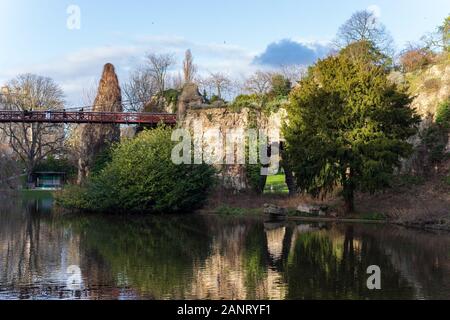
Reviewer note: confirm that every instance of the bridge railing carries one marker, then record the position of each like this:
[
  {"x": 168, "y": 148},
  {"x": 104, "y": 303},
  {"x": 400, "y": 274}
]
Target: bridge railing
[{"x": 86, "y": 117}]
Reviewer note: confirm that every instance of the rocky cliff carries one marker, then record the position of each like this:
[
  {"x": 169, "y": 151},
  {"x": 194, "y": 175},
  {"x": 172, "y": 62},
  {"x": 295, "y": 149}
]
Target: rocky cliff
[
  {"x": 430, "y": 87},
  {"x": 226, "y": 122},
  {"x": 96, "y": 138}
]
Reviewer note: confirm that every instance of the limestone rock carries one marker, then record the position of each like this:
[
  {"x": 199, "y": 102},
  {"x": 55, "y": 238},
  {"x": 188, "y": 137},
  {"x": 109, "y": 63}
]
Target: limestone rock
[
  {"x": 231, "y": 177},
  {"x": 429, "y": 87},
  {"x": 159, "y": 104},
  {"x": 190, "y": 97},
  {"x": 274, "y": 210},
  {"x": 95, "y": 138},
  {"x": 312, "y": 209}
]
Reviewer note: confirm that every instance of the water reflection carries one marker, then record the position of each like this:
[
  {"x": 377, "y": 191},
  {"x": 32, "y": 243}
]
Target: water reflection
[{"x": 209, "y": 257}]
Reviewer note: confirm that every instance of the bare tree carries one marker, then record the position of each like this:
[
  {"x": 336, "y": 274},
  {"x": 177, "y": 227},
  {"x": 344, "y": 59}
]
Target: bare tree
[
  {"x": 440, "y": 39},
  {"x": 175, "y": 81},
  {"x": 259, "y": 83},
  {"x": 32, "y": 143},
  {"x": 189, "y": 68},
  {"x": 158, "y": 66},
  {"x": 219, "y": 82},
  {"x": 139, "y": 90},
  {"x": 364, "y": 26},
  {"x": 9, "y": 170},
  {"x": 89, "y": 93},
  {"x": 294, "y": 73}
]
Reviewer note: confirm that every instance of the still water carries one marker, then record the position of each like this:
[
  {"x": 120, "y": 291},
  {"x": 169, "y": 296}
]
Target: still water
[{"x": 44, "y": 255}]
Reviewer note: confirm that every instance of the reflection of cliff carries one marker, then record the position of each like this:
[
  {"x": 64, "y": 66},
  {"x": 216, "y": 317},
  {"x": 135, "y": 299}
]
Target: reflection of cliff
[
  {"x": 237, "y": 266},
  {"x": 198, "y": 257},
  {"x": 275, "y": 240},
  {"x": 218, "y": 258}
]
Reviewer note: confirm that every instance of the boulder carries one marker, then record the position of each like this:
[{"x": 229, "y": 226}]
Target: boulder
[
  {"x": 312, "y": 209},
  {"x": 274, "y": 210}
]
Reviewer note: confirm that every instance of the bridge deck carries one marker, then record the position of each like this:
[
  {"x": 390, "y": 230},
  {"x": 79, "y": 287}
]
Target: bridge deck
[{"x": 86, "y": 117}]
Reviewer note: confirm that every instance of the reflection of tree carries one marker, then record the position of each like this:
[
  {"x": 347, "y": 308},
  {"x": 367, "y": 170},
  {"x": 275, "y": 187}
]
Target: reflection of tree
[
  {"x": 255, "y": 261},
  {"x": 213, "y": 257},
  {"x": 32, "y": 259},
  {"x": 327, "y": 266},
  {"x": 421, "y": 257},
  {"x": 153, "y": 255}
]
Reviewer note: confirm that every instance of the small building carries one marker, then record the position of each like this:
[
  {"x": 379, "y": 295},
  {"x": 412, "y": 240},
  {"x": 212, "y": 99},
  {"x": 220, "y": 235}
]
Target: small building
[{"x": 49, "y": 180}]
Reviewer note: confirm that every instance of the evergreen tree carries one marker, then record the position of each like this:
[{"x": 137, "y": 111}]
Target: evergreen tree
[{"x": 348, "y": 124}]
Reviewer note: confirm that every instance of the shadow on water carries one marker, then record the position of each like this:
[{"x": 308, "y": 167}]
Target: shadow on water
[{"x": 210, "y": 257}]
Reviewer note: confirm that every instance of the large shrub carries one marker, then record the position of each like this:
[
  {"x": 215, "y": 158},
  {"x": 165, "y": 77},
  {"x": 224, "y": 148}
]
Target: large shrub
[
  {"x": 415, "y": 59},
  {"x": 141, "y": 177}
]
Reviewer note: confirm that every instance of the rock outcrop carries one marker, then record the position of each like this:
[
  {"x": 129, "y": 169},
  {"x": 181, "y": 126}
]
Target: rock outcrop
[
  {"x": 232, "y": 176},
  {"x": 190, "y": 98},
  {"x": 95, "y": 138},
  {"x": 429, "y": 87}
]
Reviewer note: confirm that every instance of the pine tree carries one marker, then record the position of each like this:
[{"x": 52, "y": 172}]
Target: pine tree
[{"x": 348, "y": 124}]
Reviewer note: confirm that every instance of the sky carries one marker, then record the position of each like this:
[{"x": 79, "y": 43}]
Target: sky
[{"x": 235, "y": 37}]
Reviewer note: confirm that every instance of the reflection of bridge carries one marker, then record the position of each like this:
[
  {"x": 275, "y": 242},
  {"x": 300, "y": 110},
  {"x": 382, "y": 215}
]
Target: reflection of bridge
[{"x": 87, "y": 117}]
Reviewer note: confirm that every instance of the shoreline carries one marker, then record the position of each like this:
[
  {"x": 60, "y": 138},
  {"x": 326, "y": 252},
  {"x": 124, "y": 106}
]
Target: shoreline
[
  {"x": 411, "y": 225},
  {"x": 258, "y": 213}
]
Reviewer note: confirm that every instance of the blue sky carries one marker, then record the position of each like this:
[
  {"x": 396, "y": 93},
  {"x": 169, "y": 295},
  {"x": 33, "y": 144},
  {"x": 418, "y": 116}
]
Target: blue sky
[{"x": 235, "y": 37}]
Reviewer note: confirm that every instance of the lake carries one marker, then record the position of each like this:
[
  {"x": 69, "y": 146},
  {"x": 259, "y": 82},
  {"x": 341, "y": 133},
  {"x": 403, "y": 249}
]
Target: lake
[{"x": 46, "y": 255}]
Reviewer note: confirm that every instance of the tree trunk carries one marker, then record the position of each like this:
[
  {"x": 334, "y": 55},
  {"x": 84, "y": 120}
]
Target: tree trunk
[
  {"x": 30, "y": 178},
  {"x": 262, "y": 184},
  {"x": 349, "y": 204},
  {"x": 290, "y": 180},
  {"x": 349, "y": 191}
]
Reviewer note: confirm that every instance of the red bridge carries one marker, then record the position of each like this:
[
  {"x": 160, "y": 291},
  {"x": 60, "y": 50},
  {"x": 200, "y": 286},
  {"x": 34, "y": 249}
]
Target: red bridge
[{"x": 87, "y": 117}]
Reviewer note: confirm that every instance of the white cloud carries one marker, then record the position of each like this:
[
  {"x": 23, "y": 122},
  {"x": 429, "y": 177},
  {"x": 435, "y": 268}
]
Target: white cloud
[{"x": 77, "y": 71}]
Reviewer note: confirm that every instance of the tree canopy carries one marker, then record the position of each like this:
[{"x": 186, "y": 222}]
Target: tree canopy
[
  {"x": 348, "y": 124},
  {"x": 365, "y": 26}
]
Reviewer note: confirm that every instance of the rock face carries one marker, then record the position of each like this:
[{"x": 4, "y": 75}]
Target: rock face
[
  {"x": 231, "y": 176},
  {"x": 430, "y": 87},
  {"x": 274, "y": 210},
  {"x": 190, "y": 97},
  {"x": 312, "y": 210},
  {"x": 95, "y": 138}
]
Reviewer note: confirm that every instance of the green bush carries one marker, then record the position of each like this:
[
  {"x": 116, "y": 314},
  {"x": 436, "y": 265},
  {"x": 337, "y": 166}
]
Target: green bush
[
  {"x": 141, "y": 177},
  {"x": 51, "y": 164},
  {"x": 435, "y": 139},
  {"x": 244, "y": 101},
  {"x": 436, "y": 136},
  {"x": 443, "y": 114},
  {"x": 447, "y": 180}
]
